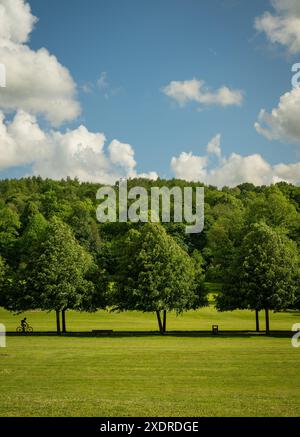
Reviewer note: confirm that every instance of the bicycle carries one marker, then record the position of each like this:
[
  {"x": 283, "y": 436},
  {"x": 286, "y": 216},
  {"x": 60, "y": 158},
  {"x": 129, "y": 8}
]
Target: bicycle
[{"x": 26, "y": 328}]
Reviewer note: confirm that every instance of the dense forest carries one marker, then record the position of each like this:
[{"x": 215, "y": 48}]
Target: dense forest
[{"x": 55, "y": 255}]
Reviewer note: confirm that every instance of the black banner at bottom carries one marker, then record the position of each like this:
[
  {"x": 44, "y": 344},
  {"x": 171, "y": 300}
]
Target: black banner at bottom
[{"x": 132, "y": 426}]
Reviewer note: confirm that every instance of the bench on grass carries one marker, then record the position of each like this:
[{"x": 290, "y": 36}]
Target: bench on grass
[{"x": 102, "y": 331}]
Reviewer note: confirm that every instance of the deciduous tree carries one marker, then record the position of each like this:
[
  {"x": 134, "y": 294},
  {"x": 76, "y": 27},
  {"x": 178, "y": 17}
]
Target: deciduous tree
[
  {"x": 153, "y": 274},
  {"x": 264, "y": 273}
]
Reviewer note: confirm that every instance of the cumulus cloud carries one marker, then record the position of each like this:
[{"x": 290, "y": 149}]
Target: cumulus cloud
[
  {"x": 237, "y": 169},
  {"x": 122, "y": 154},
  {"x": 20, "y": 140},
  {"x": 35, "y": 80},
  {"x": 195, "y": 90},
  {"x": 283, "y": 25},
  {"x": 16, "y": 21},
  {"x": 232, "y": 170},
  {"x": 288, "y": 172},
  {"x": 189, "y": 167},
  {"x": 75, "y": 153},
  {"x": 283, "y": 121}
]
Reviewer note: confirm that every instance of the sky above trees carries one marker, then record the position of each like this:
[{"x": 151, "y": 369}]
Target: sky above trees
[{"x": 197, "y": 90}]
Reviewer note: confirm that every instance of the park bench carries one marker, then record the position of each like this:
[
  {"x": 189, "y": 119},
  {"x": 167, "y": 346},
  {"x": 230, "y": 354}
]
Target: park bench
[{"x": 102, "y": 331}]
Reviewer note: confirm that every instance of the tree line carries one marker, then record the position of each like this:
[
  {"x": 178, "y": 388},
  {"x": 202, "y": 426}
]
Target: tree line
[{"x": 54, "y": 255}]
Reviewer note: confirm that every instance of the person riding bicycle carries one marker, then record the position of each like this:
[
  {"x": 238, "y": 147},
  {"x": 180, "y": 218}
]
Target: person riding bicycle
[{"x": 23, "y": 324}]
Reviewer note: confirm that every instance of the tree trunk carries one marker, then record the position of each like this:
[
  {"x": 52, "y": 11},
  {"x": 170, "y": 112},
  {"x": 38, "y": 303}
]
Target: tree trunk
[
  {"x": 165, "y": 321},
  {"x": 57, "y": 322},
  {"x": 267, "y": 321},
  {"x": 257, "y": 320},
  {"x": 159, "y": 321},
  {"x": 63, "y": 321}
]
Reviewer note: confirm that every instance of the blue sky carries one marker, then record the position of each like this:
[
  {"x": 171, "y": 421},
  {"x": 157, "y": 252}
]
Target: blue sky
[{"x": 139, "y": 47}]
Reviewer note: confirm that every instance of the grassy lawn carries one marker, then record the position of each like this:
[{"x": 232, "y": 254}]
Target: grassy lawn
[
  {"x": 153, "y": 375},
  {"x": 135, "y": 321},
  {"x": 50, "y": 376}
]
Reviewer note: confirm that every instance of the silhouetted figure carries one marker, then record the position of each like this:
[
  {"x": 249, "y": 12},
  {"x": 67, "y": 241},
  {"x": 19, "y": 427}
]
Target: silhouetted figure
[{"x": 23, "y": 324}]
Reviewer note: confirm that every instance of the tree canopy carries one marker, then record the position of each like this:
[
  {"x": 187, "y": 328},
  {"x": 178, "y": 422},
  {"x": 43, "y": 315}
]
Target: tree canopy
[
  {"x": 54, "y": 255},
  {"x": 264, "y": 274},
  {"x": 153, "y": 273}
]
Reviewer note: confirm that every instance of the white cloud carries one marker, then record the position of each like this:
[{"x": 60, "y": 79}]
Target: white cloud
[
  {"x": 233, "y": 170},
  {"x": 189, "y": 167},
  {"x": 195, "y": 90},
  {"x": 16, "y": 21},
  {"x": 237, "y": 169},
  {"x": 288, "y": 172},
  {"x": 122, "y": 154},
  {"x": 83, "y": 154},
  {"x": 20, "y": 141},
  {"x": 283, "y": 26},
  {"x": 35, "y": 80},
  {"x": 150, "y": 175},
  {"x": 283, "y": 121},
  {"x": 75, "y": 153},
  {"x": 214, "y": 146}
]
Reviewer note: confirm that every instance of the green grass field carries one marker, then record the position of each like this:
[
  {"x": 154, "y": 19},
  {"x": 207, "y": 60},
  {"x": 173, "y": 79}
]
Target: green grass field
[
  {"x": 153, "y": 375},
  {"x": 135, "y": 321}
]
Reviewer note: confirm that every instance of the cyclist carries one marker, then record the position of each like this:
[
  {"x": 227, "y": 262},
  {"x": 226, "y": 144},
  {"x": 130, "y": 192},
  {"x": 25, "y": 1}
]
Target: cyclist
[{"x": 23, "y": 324}]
